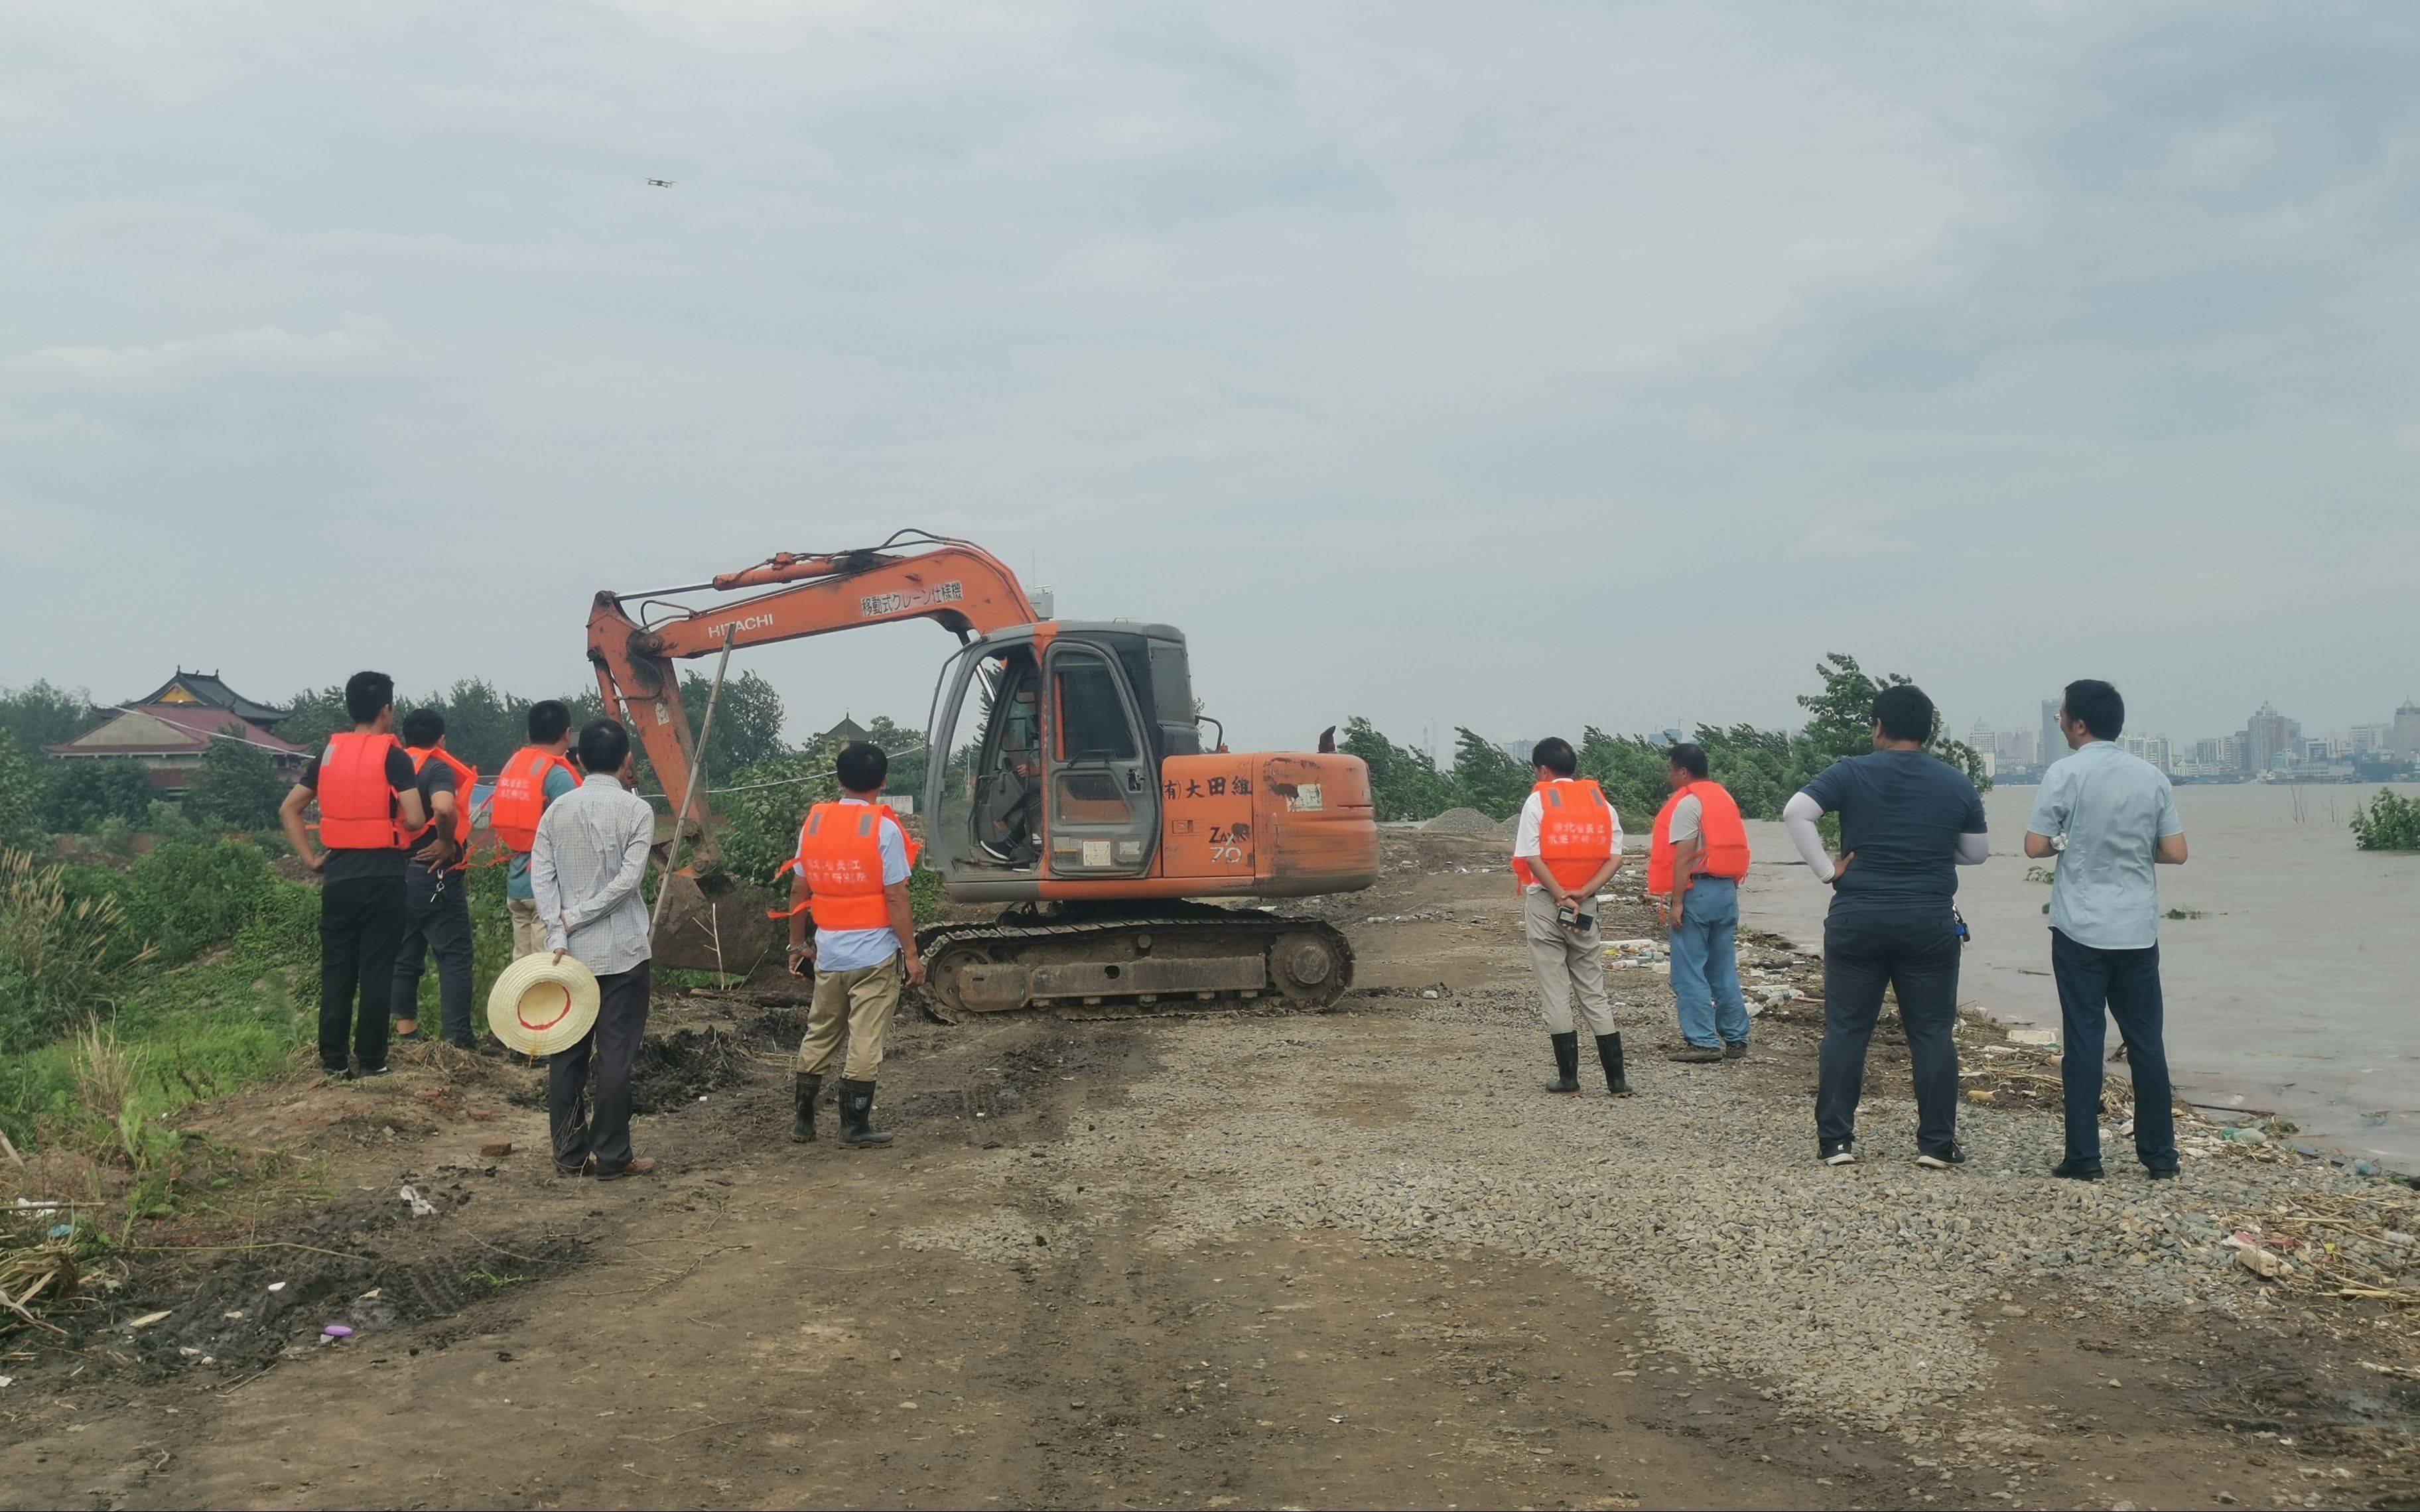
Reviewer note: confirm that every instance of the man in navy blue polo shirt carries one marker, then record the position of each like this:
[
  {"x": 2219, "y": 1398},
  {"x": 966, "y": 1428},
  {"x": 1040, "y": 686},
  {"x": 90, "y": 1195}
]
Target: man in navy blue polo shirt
[{"x": 1908, "y": 821}]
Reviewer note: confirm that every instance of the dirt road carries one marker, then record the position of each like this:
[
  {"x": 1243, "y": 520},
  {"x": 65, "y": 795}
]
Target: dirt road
[{"x": 1350, "y": 1259}]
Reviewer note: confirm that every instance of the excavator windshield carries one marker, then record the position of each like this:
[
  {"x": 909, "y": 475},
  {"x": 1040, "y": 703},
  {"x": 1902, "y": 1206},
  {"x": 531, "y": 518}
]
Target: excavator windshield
[{"x": 985, "y": 791}]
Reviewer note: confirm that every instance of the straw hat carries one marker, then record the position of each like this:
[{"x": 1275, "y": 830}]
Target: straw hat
[{"x": 540, "y": 1005}]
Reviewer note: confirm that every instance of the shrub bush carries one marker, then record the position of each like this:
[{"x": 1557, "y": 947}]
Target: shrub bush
[
  {"x": 84, "y": 795},
  {"x": 58, "y": 950},
  {"x": 2391, "y": 823},
  {"x": 188, "y": 897}
]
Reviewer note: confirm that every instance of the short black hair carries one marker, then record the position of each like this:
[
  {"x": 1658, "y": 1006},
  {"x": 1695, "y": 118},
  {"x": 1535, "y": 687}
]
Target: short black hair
[
  {"x": 2097, "y": 705},
  {"x": 423, "y": 727},
  {"x": 1905, "y": 712},
  {"x": 604, "y": 745},
  {"x": 862, "y": 766},
  {"x": 366, "y": 693},
  {"x": 548, "y": 720},
  {"x": 1690, "y": 759},
  {"x": 1555, "y": 755}
]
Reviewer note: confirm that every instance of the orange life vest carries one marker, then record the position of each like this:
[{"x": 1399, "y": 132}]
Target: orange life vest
[
  {"x": 840, "y": 854},
  {"x": 356, "y": 805},
  {"x": 1722, "y": 839},
  {"x": 519, "y": 798},
  {"x": 465, "y": 779},
  {"x": 1575, "y": 832}
]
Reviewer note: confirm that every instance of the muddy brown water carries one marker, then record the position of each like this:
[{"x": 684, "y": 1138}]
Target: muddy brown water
[{"x": 748, "y": 1327}]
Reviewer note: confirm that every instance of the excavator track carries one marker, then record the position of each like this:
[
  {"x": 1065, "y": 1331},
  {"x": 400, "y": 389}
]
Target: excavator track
[{"x": 1171, "y": 960}]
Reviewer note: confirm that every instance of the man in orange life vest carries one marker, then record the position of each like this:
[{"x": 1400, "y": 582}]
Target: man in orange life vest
[
  {"x": 852, "y": 866},
  {"x": 537, "y": 774},
  {"x": 436, "y": 885},
  {"x": 1568, "y": 845},
  {"x": 1695, "y": 860},
  {"x": 369, "y": 804}
]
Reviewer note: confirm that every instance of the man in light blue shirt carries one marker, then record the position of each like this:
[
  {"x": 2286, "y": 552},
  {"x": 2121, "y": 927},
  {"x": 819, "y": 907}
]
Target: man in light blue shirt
[{"x": 2109, "y": 818}]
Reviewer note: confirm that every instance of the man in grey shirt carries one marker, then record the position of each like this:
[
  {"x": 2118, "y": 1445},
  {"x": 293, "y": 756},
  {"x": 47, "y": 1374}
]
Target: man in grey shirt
[
  {"x": 585, "y": 866},
  {"x": 2109, "y": 818}
]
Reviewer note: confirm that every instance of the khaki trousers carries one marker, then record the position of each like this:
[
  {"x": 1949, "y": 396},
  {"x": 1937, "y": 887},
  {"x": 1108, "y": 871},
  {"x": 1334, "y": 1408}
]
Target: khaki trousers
[
  {"x": 1569, "y": 965},
  {"x": 528, "y": 934},
  {"x": 860, "y": 1002}
]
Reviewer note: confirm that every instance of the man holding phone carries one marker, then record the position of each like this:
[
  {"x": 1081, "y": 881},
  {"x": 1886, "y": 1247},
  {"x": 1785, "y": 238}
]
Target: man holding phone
[
  {"x": 1567, "y": 847},
  {"x": 2109, "y": 818},
  {"x": 852, "y": 866}
]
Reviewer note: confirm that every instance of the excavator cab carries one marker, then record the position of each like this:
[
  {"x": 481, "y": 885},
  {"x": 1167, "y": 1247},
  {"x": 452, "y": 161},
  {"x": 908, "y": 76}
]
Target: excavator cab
[{"x": 1048, "y": 740}]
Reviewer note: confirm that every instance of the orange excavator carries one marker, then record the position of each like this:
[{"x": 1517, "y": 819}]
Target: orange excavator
[{"x": 1066, "y": 779}]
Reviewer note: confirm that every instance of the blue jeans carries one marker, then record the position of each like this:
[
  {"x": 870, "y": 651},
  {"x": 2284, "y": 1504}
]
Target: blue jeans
[
  {"x": 2126, "y": 982},
  {"x": 1705, "y": 968}
]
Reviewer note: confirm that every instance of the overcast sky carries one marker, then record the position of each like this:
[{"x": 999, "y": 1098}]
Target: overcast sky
[{"x": 1517, "y": 366}]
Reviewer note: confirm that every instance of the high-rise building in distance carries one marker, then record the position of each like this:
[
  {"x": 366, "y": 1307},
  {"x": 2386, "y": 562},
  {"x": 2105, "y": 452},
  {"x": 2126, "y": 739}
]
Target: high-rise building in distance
[
  {"x": 2268, "y": 736},
  {"x": 2152, "y": 749},
  {"x": 2053, "y": 745},
  {"x": 2407, "y": 729}
]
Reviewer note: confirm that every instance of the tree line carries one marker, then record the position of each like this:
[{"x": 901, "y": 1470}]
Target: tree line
[
  {"x": 764, "y": 782},
  {"x": 238, "y": 787},
  {"x": 1762, "y": 768}
]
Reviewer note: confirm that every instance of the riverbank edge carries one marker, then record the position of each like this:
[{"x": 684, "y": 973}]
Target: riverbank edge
[{"x": 2204, "y": 1092}]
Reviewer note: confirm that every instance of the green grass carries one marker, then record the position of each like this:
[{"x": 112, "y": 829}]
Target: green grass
[
  {"x": 240, "y": 1003},
  {"x": 204, "y": 1030}
]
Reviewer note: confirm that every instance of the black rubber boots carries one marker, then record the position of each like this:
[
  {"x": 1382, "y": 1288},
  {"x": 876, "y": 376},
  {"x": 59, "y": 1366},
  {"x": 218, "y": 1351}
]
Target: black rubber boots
[
  {"x": 1567, "y": 1062},
  {"x": 856, "y": 1116},
  {"x": 802, "y": 1122},
  {"x": 1608, "y": 1050}
]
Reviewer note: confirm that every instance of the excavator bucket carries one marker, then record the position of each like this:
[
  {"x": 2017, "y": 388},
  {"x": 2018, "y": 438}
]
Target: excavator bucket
[{"x": 718, "y": 925}]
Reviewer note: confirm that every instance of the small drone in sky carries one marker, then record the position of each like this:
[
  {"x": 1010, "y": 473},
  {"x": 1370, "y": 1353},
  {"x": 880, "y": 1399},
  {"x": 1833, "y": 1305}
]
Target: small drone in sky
[{"x": 660, "y": 183}]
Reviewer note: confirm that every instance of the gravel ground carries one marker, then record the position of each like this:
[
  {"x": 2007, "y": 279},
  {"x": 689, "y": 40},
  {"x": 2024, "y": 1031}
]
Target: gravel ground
[{"x": 1861, "y": 1292}]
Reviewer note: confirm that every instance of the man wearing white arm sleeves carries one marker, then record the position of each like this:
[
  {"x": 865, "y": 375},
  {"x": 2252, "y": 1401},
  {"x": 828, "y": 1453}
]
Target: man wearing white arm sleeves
[{"x": 1908, "y": 820}]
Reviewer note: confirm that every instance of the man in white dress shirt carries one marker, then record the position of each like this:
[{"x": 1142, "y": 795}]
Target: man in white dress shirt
[{"x": 590, "y": 856}]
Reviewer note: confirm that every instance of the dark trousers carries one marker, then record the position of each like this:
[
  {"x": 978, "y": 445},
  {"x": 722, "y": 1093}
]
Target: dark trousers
[
  {"x": 604, "y": 1131},
  {"x": 2127, "y": 983},
  {"x": 1917, "y": 955},
  {"x": 361, "y": 920},
  {"x": 436, "y": 921}
]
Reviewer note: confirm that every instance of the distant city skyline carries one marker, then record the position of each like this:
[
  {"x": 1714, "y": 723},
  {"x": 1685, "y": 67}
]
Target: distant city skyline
[{"x": 2266, "y": 738}]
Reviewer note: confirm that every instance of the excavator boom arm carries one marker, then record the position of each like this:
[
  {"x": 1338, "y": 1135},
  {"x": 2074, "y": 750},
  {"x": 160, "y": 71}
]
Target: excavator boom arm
[{"x": 958, "y": 585}]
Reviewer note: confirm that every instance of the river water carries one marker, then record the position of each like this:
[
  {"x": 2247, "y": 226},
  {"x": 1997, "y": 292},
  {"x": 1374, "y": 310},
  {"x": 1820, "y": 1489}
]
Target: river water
[{"x": 2293, "y": 994}]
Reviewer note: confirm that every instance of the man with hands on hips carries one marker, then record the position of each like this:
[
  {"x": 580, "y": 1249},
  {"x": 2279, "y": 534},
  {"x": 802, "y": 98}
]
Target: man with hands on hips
[{"x": 1908, "y": 821}]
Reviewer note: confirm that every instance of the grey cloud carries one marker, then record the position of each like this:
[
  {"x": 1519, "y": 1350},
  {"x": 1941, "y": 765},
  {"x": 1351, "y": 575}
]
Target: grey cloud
[
  {"x": 362, "y": 349},
  {"x": 1352, "y": 338}
]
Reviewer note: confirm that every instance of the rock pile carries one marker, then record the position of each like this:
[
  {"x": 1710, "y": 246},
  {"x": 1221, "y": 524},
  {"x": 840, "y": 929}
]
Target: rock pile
[{"x": 1461, "y": 822}]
